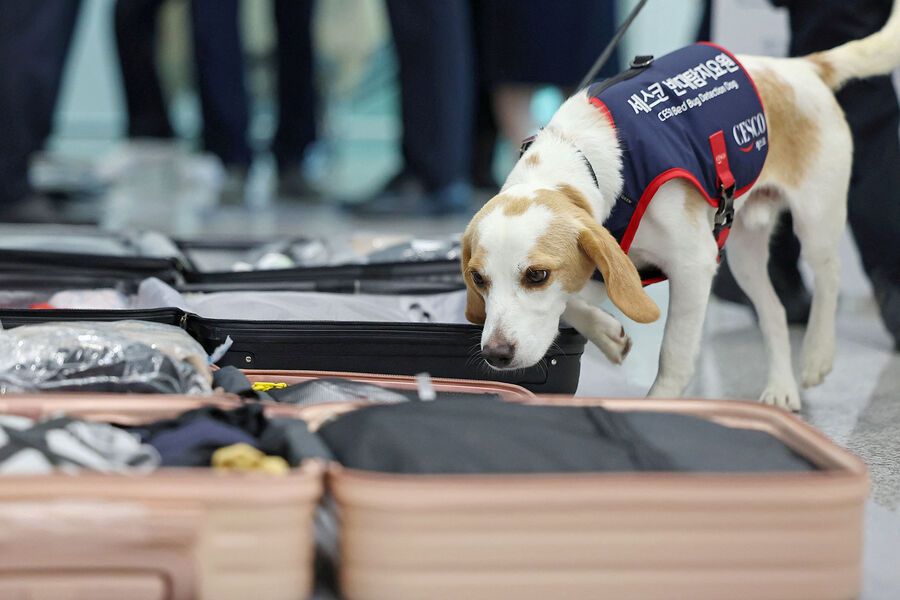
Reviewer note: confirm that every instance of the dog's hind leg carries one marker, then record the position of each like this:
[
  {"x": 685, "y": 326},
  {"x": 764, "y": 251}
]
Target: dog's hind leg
[{"x": 748, "y": 256}]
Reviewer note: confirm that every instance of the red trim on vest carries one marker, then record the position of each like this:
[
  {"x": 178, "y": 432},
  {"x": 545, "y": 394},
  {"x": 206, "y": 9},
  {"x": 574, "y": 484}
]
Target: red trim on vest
[
  {"x": 652, "y": 280},
  {"x": 602, "y": 106},
  {"x": 654, "y": 187}
]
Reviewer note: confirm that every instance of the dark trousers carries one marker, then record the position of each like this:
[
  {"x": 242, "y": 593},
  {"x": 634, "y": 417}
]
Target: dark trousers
[
  {"x": 873, "y": 113},
  {"x": 433, "y": 39},
  {"x": 34, "y": 41},
  {"x": 296, "y": 93},
  {"x": 220, "y": 77},
  {"x": 219, "y": 68}
]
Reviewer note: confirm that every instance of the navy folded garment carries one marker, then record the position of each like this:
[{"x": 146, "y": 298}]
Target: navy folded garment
[
  {"x": 190, "y": 439},
  {"x": 193, "y": 444}
]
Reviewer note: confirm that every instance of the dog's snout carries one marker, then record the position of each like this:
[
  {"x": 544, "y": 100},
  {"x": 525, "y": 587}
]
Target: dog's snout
[{"x": 499, "y": 354}]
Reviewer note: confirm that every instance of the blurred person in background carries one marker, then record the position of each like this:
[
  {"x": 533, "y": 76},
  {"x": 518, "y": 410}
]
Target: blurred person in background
[
  {"x": 523, "y": 46},
  {"x": 35, "y": 36},
  {"x": 434, "y": 45},
  {"x": 219, "y": 60},
  {"x": 219, "y": 73},
  {"x": 477, "y": 62},
  {"x": 873, "y": 211}
]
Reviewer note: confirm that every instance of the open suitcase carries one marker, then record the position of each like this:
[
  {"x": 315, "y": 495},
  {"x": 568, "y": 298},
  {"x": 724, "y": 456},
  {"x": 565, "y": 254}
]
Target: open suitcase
[{"x": 753, "y": 536}]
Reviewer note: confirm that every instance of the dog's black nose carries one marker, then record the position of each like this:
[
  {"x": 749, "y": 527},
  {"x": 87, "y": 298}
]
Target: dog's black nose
[{"x": 499, "y": 355}]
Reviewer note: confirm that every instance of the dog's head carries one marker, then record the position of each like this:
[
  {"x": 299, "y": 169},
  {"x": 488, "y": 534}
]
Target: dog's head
[{"x": 524, "y": 255}]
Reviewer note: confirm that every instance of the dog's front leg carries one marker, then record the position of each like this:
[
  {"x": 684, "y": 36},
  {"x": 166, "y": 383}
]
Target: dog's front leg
[
  {"x": 600, "y": 327},
  {"x": 688, "y": 297}
]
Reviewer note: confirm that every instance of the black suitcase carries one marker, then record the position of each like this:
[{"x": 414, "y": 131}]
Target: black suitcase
[
  {"x": 115, "y": 261},
  {"x": 443, "y": 350}
]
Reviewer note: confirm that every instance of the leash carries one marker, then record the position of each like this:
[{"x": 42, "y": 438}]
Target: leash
[{"x": 613, "y": 43}]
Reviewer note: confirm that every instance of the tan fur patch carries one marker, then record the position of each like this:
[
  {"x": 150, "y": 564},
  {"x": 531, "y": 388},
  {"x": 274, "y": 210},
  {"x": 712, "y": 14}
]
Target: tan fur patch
[
  {"x": 558, "y": 251},
  {"x": 475, "y": 308},
  {"x": 516, "y": 205},
  {"x": 576, "y": 197},
  {"x": 794, "y": 136},
  {"x": 533, "y": 159},
  {"x": 824, "y": 68}
]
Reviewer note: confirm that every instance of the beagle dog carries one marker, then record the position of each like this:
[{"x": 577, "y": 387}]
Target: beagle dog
[{"x": 528, "y": 256}]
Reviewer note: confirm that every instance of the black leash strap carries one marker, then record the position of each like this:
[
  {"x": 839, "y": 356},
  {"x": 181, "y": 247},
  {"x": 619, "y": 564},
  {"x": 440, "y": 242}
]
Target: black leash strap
[{"x": 607, "y": 52}]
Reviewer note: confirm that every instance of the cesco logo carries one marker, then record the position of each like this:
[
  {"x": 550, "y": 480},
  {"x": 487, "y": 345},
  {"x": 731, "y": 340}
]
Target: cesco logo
[{"x": 748, "y": 130}]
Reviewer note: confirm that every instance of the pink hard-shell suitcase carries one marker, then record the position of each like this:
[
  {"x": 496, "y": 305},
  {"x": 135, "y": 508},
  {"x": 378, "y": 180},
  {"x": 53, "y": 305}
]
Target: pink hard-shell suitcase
[{"x": 784, "y": 536}]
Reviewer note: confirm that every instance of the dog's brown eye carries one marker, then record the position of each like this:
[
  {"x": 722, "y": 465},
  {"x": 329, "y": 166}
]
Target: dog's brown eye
[
  {"x": 477, "y": 279},
  {"x": 537, "y": 275}
]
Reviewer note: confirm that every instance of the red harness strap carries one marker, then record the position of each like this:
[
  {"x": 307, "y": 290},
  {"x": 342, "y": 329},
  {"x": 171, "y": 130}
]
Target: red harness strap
[{"x": 725, "y": 181}]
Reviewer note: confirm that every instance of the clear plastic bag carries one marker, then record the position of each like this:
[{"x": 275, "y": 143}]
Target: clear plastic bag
[{"x": 125, "y": 356}]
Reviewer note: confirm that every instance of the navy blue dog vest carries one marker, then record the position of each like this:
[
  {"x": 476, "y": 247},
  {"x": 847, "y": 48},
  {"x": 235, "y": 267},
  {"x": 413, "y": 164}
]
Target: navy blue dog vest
[{"x": 693, "y": 114}]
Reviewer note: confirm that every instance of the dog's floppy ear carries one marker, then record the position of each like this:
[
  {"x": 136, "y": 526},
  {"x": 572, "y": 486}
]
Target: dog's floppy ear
[
  {"x": 475, "y": 310},
  {"x": 623, "y": 284}
]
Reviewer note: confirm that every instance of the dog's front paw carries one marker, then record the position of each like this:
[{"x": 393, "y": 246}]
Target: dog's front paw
[
  {"x": 615, "y": 346},
  {"x": 782, "y": 395}
]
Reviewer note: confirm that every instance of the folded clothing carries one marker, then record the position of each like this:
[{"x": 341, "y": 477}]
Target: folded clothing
[
  {"x": 484, "y": 436},
  {"x": 29, "y": 448},
  {"x": 123, "y": 356},
  {"x": 191, "y": 439}
]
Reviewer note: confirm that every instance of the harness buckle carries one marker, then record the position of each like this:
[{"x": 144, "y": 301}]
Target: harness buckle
[{"x": 725, "y": 211}]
